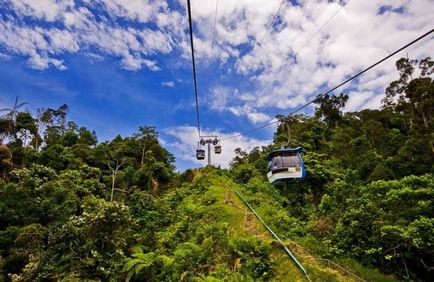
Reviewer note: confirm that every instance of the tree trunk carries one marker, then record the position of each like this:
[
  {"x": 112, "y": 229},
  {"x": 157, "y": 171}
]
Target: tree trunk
[
  {"x": 155, "y": 185},
  {"x": 113, "y": 185},
  {"x": 425, "y": 123},
  {"x": 425, "y": 120},
  {"x": 114, "y": 170},
  {"x": 411, "y": 120},
  {"x": 143, "y": 155}
]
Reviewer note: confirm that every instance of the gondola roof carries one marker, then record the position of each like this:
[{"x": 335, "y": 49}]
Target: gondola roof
[{"x": 282, "y": 151}]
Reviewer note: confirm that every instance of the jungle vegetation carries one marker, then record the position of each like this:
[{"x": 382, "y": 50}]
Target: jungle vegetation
[{"x": 75, "y": 209}]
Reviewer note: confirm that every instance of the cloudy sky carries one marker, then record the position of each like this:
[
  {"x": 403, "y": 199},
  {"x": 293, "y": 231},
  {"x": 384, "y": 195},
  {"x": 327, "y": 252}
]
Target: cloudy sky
[{"x": 121, "y": 64}]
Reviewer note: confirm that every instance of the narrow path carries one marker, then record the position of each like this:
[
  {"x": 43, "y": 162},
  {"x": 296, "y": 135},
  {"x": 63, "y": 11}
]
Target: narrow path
[{"x": 249, "y": 217}]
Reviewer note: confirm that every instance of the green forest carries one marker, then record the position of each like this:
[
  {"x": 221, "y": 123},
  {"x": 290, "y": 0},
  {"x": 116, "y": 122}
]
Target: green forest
[{"x": 75, "y": 209}]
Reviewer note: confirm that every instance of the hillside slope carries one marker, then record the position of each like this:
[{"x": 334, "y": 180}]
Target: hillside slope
[{"x": 211, "y": 236}]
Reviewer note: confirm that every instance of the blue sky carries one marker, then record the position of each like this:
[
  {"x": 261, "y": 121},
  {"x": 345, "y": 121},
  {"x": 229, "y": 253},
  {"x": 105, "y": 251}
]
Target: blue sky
[{"x": 123, "y": 64}]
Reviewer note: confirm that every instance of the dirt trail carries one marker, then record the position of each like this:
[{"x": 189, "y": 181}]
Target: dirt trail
[
  {"x": 249, "y": 217},
  {"x": 228, "y": 200}
]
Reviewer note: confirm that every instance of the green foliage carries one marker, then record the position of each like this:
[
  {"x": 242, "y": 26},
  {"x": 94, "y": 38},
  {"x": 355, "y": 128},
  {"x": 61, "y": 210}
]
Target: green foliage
[
  {"x": 55, "y": 223},
  {"x": 387, "y": 222},
  {"x": 253, "y": 257},
  {"x": 56, "y": 156},
  {"x": 34, "y": 176},
  {"x": 244, "y": 172},
  {"x": 31, "y": 237},
  {"x": 73, "y": 209},
  {"x": 200, "y": 238},
  {"x": 329, "y": 108},
  {"x": 138, "y": 262},
  {"x": 96, "y": 239},
  {"x": 6, "y": 163},
  {"x": 368, "y": 193},
  {"x": 2, "y": 274}
]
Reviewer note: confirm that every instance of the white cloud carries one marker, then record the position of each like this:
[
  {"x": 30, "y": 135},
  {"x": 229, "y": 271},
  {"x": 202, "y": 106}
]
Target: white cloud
[
  {"x": 250, "y": 113},
  {"x": 284, "y": 65},
  {"x": 354, "y": 37},
  {"x": 4, "y": 57},
  {"x": 40, "y": 62},
  {"x": 139, "y": 10},
  {"x": 185, "y": 145},
  {"x": 221, "y": 97},
  {"x": 374, "y": 102},
  {"x": 357, "y": 100},
  {"x": 38, "y": 44},
  {"x": 170, "y": 84},
  {"x": 94, "y": 57},
  {"x": 49, "y": 10},
  {"x": 67, "y": 27},
  {"x": 156, "y": 41},
  {"x": 225, "y": 99},
  {"x": 62, "y": 41},
  {"x": 363, "y": 100}
]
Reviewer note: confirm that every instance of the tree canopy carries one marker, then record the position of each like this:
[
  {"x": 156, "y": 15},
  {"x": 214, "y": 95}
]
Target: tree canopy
[{"x": 75, "y": 209}]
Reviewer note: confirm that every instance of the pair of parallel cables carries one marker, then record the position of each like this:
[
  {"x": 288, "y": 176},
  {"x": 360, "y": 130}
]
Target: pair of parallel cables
[{"x": 274, "y": 121}]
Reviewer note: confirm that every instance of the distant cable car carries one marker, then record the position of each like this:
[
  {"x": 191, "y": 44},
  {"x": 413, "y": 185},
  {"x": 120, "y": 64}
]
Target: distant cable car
[
  {"x": 200, "y": 154},
  {"x": 217, "y": 147},
  {"x": 285, "y": 164}
]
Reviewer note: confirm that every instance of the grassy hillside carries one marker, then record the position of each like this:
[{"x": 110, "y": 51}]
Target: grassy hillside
[
  {"x": 211, "y": 236},
  {"x": 73, "y": 209}
]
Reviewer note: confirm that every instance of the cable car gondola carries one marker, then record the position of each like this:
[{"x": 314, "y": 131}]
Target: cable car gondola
[
  {"x": 217, "y": 147},
  {"x": 200, "y": 154},
  {"x": 285, "y": 164}
]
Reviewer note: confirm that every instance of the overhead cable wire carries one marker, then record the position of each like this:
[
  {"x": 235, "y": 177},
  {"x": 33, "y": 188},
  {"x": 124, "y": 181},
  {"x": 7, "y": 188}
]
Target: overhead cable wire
[
  {"x": 274, "y": 121},
  {"x": 308, "y": 41},
  {"x": 210, "y": 70},
  {"x": 321, "y": 27},
  {"x": 194, "y": 65},
  {"x": 270, "y": 24},
  {"x": 267, "y": 28},
  {"x": 295, "y": 54},
  {"x": 212, "y": 49}
]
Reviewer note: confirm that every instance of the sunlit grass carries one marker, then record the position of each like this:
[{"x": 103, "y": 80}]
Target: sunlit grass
[{"x": 217, "y": 198}]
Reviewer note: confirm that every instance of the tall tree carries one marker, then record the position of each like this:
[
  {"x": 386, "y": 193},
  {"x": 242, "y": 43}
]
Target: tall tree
[
  {"x": 12, "y": 112},
  {"x": 414, "y": 97},
  {"x": 6, "y": 129},
  {"x": 56, "y": 127},
  {"x": 329, "y": 108},
  {"x": 146, "y": 136},
  {"x": 25, "y": 127},
  {"x": 5, "y": 160}
]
